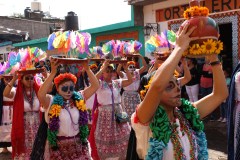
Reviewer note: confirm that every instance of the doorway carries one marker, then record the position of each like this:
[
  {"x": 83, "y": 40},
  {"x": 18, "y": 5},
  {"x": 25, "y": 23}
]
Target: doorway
[{"x": 225, "y": 31}]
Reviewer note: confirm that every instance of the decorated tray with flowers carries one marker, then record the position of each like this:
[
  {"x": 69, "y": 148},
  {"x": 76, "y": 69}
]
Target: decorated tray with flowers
[
  {"x": 71, "y": 60},
  {"x": 22, "y": 61},
  {"x": 207, "y": 31},
  {"x": 131, "y": 48},
  {"x": 97, "y": 59},
  {"x": 131, "y": 55},
  {"x": 7, "y": 76},
  {"x": 72, "y": 44},
  {"x": 121, "y": 61},
  {"x": 161, "y": 45},
  {"x": 25, "y": 71}
]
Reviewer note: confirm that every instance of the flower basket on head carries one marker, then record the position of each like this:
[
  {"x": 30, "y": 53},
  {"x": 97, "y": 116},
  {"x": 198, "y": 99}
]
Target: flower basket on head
[
  {"x": 96, "y": 54},
  {"x": 162, "y": 45},
  {"x": 4, "y": 68},
  {"x": 207, "y": 30},
  {"x": 71, "y": 60},
  {"x": 22, "y": 61},
  {"x": 131, "y": 48},
  {"x": 114, "y": 49},
  {"x": 71, "y": 44},
  {"x": 33, "y": 71},
  {"x": 7, "y": 76}
]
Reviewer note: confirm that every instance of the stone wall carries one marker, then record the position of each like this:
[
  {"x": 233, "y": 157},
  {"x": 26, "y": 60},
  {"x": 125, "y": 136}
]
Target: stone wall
[{"x": 35, "y": 29}]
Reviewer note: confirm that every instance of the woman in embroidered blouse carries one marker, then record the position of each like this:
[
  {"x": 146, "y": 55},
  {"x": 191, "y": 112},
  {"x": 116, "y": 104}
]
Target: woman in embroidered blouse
[
  {"x": 130, "y": 96},
  {"x": 175, "y": 132},
  {"x": 66, "y": 114},
  {"x": 6, "y": 111},
  {"x": 108, "y": 139},
  {"x": 26, "y": 114}
]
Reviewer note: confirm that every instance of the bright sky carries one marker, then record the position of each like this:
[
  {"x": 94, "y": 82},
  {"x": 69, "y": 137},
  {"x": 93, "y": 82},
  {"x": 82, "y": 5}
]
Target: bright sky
[{"x": 91, "y": 13}]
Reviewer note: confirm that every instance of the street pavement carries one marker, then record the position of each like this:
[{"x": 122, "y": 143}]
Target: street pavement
[{"x": 216, "y": 133}]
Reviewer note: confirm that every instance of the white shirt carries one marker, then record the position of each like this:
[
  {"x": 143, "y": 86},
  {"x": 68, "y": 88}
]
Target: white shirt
[
  {"x": 143, "y": 133},
  {"x": 68, "y": 121},
  {"x": 36, "y": 105},
  {"x": 104, "y": 93},
  {"x": 136, "y": 81}
]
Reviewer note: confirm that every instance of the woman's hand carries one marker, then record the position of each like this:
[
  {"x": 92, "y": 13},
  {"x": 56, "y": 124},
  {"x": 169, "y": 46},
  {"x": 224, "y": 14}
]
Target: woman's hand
[
  {"x": 15, "y": 76},
  {"x": 212, "y": 58},
  {"x": 85, "y": 65},
  {"x": 184, "y": 61},
  {"x": 125, "y": 67},
  {"x": 106, "y": 64},
  {"x": 54, "y": 65},
  {"x": 182, "y": 36}
]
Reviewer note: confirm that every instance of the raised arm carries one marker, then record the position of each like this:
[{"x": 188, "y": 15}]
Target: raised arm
[
  {"x": 43, "y": 97},
  {"x": 103, "y": 68},
  {"x": 187, "y": 75},
  {"x": 89, "y": 91},
  {"x": 129, "y": 80},
  {"x": 208, "y": 104},
  {"x": 164, "y": 73},
  {"x": 144, "y": 67},
  {"x": 119, "y": 68},
  {"x": 7, "y": 91}
]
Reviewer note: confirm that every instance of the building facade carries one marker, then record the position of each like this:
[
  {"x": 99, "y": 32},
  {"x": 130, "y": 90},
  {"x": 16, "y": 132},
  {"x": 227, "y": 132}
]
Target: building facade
[
  {"x": 168, "y": 14},
  {"x": 128, "y": 30}
]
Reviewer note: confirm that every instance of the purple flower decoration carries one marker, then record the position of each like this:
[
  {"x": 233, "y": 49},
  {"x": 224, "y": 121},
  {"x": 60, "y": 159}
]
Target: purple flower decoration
[
  {"x": 54, "y": 123},
  {"x": 83, "y": 118}
]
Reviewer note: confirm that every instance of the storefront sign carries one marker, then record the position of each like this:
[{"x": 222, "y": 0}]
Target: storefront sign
[{"x": 213, "y": 6}]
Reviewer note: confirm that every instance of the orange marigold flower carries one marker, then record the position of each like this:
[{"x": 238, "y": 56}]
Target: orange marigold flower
[
  {"x": 65, "y": 76},
  {"x": 81, "y": 105},
  {"x": 54, "y": 110}
]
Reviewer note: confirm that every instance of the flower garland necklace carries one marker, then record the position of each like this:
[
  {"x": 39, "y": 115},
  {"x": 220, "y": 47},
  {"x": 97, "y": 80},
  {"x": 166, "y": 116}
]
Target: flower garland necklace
[
  {"x": 163, "y": 132},
  {"x": 54, "y": 112}
]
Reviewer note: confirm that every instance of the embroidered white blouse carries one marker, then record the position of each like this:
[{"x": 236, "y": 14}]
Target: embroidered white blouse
[
  {"x": 143, "y": 133},
  {"x": 104, "y": 93}
]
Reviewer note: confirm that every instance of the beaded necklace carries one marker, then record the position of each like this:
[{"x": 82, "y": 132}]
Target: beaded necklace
[
  {"x": 54, "y": 113},
  {"x": 29, "y": 98},
  {"x": 163, "y": 132},
  {"x": 175, "y": 138}
]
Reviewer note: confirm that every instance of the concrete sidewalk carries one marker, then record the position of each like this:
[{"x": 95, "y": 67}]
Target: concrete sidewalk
[{"x": 216, "y": 133}]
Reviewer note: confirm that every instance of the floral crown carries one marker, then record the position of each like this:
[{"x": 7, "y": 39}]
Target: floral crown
[
  {"x": 131, "y": 62},
  {"x": 65, "y": 76},
  {"x": 92, "y": 66}
]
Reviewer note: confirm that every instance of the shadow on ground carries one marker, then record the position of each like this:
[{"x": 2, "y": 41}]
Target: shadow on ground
[{"x": 216, "y": 133}]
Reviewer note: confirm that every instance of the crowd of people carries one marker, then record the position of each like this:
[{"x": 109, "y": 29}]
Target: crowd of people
[{"x": 116, "y": 111}]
